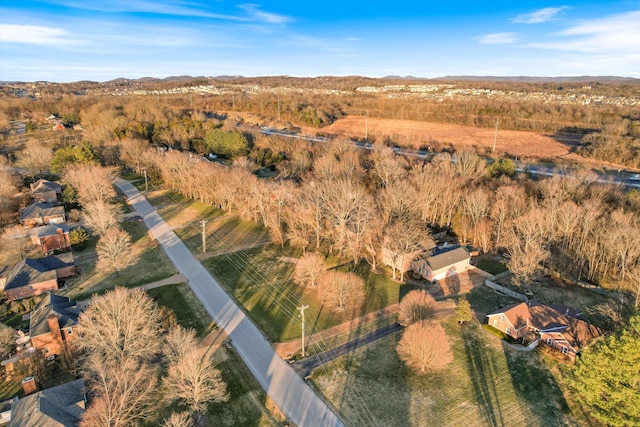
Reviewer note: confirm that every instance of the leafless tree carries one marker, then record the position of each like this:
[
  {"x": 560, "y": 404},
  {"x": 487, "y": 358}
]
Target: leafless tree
[
  {"x": 416, "y": 306},
  {"x": 8, "y": 190},
  {"x": 387, "y": 167},
  {"x": 178, "y": 342},
  {"x": 114, "y": 251},
  {"x": 178, "y": 419},
  {"x": 101, "y": 216},
  {"x": 34, "y": 156},
  {"x": 93, "y": 182},
  {"x": 403, "y": 238},
  {"x": 7, "y": 340},
  {"x": 121, "y": 324},
  {"x": 124, "y": 392},
  {"x": 15, "y": 240},
  {"x": 526, "y": 243},
  {"x": 341, "y": 290},
  {"x": 194, "y": 381},
  {"x": 132, "y": 152},
  {"x": 308, "y": 269},
  {"x": 469, "y": 165},
  {"x": 424, "y": 347}
]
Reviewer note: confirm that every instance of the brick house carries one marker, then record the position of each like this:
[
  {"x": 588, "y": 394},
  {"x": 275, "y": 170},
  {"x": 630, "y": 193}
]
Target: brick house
[
  {"x": 59, "y": 406},
  {"x": 34, "y": 276},
  {"x": 44, "y": 191},
  {"x": 558, "y": 326},
  {"x": 52, "y": 324},
  {"x": 51, "y": 237},
  {"x": 42, "y": 214},
  {"x": 444, "y": 261}
]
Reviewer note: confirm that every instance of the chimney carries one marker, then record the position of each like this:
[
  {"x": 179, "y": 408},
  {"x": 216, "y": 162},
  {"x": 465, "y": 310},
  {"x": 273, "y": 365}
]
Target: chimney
[
  {"x": 54, "y": 326},
  {"x": 29, "y": 386}
]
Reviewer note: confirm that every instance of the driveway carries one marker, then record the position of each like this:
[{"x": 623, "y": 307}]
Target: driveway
[{"x": 289, "y": 392}]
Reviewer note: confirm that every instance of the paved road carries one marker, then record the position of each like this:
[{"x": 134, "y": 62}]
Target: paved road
[
  {"x": 294, "y": 398},
  {"x": 305, "y": 366}
]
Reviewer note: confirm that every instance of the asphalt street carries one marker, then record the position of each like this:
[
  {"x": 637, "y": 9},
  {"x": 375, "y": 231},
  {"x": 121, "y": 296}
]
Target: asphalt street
[{"x": 289, "y": 392}]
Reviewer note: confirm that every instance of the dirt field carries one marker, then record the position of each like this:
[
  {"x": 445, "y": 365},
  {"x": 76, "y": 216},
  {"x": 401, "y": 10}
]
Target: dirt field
[{"x": 415, "y": 134}]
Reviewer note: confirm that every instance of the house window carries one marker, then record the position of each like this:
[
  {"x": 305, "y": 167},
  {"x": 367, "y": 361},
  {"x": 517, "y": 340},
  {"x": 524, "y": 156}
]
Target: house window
[
  {"x": 508, "y": 330},
  {"x": 549, "y": 341},
  {"x": 69, "y": 331},
  {"x": 565, "y": 350},
  {"x": 495, "y": 322},
  {"x": 46, "y": 350},
  {"x": 502, "y": 318}
]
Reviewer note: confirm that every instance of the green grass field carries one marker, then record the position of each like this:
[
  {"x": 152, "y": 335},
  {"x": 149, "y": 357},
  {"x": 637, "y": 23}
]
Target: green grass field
[
  {"x": 484, "y": 385},
  {"x": 188, "y": 310}
]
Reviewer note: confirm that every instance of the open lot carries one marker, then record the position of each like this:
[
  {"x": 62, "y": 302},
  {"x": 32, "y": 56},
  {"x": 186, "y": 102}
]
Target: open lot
[
  {"x": 486, "y": 384},
  {"x": 414, "y": 134}
]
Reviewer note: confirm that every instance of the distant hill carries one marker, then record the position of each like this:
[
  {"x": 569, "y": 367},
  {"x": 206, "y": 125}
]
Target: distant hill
[{"x": 531, "y": 79}]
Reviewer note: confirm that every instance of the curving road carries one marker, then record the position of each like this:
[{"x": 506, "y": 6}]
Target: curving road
[{"x": 294, "y": 398}]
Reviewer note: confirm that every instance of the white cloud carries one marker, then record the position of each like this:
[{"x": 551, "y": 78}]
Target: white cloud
[
  {"x": 616, "y": 33},
  {"x": 539, "y": 16},
  {"x": 270, "y": 18},
  {"x": 498, "y": 38},
  {"x": 35, "y": 34}
]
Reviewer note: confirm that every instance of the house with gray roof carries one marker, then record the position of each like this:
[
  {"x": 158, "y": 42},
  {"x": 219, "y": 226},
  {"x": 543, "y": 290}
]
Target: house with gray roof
[
  {"x": 34, "y": 276},
  {"x": 51, "y": 237},
  {"x": 60, "y": 406},
  {"x": 52, "y": 324},
  {"x": 44, "y": 191},
  {"x": 42, "y": 214},
  {"x": 443, "y": 261}
]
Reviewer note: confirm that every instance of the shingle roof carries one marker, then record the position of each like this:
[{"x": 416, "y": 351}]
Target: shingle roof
[
  {"x": 41, "y": 209},
  {"x": 57, "y": 406},
  {"x": 36, "y": 270},
  {"x": 43, "y": 185},
  {"x": 66, "y": 311},
  {"x": 48, "y": 230},
  {"x": 445, "y": 256}
]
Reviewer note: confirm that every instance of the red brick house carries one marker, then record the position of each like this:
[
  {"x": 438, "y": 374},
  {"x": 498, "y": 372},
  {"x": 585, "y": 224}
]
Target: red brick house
[
  {"x": 44, "y": 191},
  {"x": 42, "y": 214},
  {"x": 52, "y": 324},
  {"x": 33, "y": 276},
  {"x": 50, "y": 238},
  {"x": 558, "y": 326}
]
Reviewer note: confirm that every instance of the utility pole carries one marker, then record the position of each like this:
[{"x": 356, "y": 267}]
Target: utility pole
[
  {"x": 146, "y": 183},
  {"x": 495, "y": 137},
  {"x": 204, "y": 237},
  {"x": 366, "y": 125},
  {"x": 302, "y": 309},
  {"x": 278, "y": 110}
]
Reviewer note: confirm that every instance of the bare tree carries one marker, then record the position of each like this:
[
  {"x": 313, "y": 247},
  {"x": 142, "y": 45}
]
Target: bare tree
[
  {"x": 387, "y": 167},
  {"x": 8, "y": 190},
  {"x": 308, "y": 269},
  {"x": 101, "y": 216},
  {"x": 416, "y": 306},
  {"x": 341, "y": 290},
  {"x": 132, "y": 152},
  {"x": 178, "y": 342},
  {"x": 424, "y": 347},
  {"x": 34, "y": 156},
  {"x": 114, "y": 251},
  {"x": 93, "y": 182},
  {"x": 121, "y": 324},
  {"x": 526, "y": 243},
  {"x": 178, "y": 419},
  {"x": 124, "y": 391},
  {"x": 194, "y": 381},
  {"x": 402, "y": 238},
  {"x": 15, "y": 240},
  {"x": 7, "y": 340}
]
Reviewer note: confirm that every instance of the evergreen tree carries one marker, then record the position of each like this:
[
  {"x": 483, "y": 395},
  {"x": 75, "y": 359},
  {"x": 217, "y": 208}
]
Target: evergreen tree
[{"x": 606, "y": 378}]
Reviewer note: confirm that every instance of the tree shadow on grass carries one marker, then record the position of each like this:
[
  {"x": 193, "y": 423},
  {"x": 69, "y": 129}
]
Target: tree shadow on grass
[
  {"x": 536, "y": 386},
  {"x": 483, "y": 376}
]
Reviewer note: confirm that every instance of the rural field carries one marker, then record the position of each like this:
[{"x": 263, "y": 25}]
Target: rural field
[{"x": 522, "y": 144}]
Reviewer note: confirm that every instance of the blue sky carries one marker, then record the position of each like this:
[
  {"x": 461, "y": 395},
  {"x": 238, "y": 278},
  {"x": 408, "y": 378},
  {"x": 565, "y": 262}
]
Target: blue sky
[{"x": 70, "y": 40}]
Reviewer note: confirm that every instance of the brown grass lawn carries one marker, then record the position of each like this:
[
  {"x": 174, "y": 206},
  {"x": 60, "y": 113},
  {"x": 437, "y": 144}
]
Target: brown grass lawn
[{"x": 485, "y": 385}]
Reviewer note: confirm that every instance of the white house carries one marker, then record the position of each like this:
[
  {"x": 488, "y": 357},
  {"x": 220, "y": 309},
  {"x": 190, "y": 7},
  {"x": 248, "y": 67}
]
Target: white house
[{"x": 444, "y": 261}]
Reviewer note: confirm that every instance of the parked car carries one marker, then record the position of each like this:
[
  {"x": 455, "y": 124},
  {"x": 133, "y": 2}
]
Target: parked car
[{"x": 635, "y": 177}]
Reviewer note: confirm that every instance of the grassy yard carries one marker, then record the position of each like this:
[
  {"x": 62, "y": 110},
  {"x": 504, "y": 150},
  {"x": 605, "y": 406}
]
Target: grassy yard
[
  {"x": 152, "y": 265},
  {"x": 189, "y": 312},
  {"x": 484, "y": 385}
]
